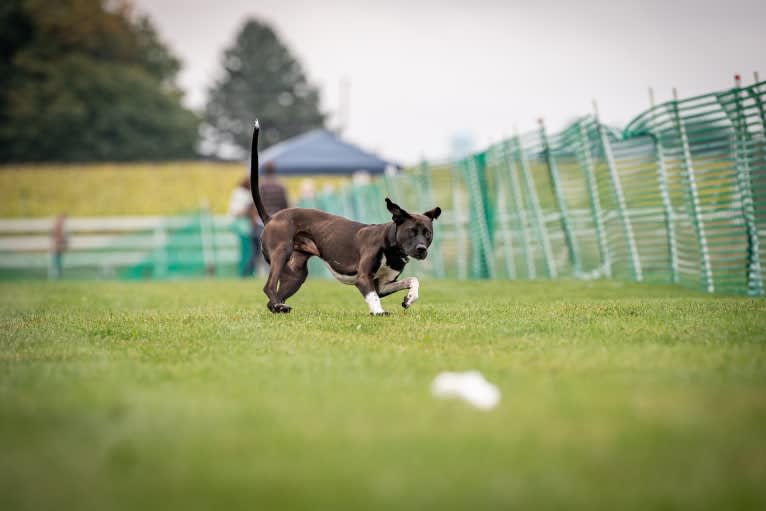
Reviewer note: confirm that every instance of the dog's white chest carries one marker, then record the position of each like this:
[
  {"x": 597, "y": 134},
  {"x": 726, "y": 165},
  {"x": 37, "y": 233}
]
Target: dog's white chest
[{"x": 386, "y": 274}]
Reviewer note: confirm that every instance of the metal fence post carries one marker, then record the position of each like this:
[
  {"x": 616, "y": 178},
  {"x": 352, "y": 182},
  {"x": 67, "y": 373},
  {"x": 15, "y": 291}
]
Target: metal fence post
[
  {"x": 553, "y": 173},
  {"x": 521, "y": 211},
  {"x": 483, "y": 253},
  {"x": 755, "y": 94},
  {"x": 693, "y": 203},
  {"x": 745, "y": 188},
  {"x": 457, "y": 216},
  {"x": 542, "y": 232},
  {"x": 662, "y": 183},
  {"x": 622, "y": 209},
  {"x": 426, "y": 203},
  {"x": 588, "y": 168},
  {"x": 501, "y": 213}
]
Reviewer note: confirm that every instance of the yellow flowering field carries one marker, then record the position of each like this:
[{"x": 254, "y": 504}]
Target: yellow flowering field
[{"x": 126, "y": 189}]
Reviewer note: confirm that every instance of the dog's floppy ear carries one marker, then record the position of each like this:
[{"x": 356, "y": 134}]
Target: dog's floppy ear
[
  {"x": 433, "y": 214},
  {"x": 398, "y": 214}
]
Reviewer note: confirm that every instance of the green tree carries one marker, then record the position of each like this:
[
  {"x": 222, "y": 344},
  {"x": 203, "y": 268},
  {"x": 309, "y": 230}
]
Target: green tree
[
  {"x": 85, "y": 80},
  {"x": 260, "y": 78}
]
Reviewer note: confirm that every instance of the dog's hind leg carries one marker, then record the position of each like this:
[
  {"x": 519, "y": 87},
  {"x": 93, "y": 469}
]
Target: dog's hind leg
[
  {"x": 293, "y": 275},
  {"x": 279, "y": 256}
]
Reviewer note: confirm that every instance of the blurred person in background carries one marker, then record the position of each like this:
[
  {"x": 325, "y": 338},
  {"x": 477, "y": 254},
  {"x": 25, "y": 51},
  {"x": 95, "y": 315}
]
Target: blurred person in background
[
  {"x": 247, "y": 226},
  {"x": 59, "y": 241},
  {"x": 273, "y": 193}
]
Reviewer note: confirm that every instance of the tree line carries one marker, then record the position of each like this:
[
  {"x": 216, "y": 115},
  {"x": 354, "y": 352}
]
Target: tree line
[{"x": 91, "y": 80}]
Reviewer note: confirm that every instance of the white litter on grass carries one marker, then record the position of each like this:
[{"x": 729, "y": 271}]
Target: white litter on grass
[{"x": 469, "y": 386}]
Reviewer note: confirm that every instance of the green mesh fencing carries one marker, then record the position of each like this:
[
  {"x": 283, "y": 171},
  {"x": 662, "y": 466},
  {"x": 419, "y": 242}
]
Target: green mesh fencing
[
  {"x": 678, "y": 196},
  {"x": 183, "y": 248}
]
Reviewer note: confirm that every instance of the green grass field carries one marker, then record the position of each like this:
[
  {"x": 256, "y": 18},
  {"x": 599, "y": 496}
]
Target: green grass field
[{"x": 190, "y": 395}]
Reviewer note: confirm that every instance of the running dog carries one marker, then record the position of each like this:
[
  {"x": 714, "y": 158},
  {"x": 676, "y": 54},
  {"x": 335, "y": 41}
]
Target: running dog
[{"x": 371, "y": 257}]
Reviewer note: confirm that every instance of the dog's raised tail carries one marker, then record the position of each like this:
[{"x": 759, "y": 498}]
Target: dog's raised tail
[{"x": 254, "y": 175}]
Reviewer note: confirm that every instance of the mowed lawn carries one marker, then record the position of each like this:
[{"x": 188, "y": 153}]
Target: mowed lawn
[{"x": 190, "y": 395}]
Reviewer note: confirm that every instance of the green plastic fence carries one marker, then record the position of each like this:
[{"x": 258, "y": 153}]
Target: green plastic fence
[
  {"x": 678, "y": 196},
  {"x": 184, "y": 249}
]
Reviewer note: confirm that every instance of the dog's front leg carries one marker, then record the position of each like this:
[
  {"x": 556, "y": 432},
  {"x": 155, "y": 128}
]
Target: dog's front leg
[
  {"x": 411, "y": 284},
  {"x": 366, "y": 286}
]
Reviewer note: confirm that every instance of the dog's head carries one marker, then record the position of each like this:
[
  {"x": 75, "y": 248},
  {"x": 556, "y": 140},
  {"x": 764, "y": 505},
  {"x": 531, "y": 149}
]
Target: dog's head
[{"x": 414, "y": 232}]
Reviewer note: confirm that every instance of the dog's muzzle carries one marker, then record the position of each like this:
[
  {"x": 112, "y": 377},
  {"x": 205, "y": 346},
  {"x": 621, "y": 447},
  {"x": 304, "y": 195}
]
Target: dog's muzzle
[{"x": 421, "y": 252}]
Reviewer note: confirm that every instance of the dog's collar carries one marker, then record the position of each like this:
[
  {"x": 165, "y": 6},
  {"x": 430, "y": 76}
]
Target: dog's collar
[
  {"x": 391, "y": 241},
  {"x": 391, "y": 236}
]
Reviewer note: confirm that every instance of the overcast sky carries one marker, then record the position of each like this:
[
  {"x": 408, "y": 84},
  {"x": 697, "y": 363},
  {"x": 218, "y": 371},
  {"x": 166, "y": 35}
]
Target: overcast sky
[{"x": 422, "y": 71}]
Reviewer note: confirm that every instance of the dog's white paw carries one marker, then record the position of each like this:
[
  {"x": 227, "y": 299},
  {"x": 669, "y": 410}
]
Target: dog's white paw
[
  {"x": 373, "y": 301},
  {"x": 412, "y": 293}
]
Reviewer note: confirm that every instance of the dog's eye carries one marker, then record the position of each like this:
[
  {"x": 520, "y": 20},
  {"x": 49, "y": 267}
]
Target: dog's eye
[
  {"x": 414, "y": 231},
  {"x": 428, "y": 234}
]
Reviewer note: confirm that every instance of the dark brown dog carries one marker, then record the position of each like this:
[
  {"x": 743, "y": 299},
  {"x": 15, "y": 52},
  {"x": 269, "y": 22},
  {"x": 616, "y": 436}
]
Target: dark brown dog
[{"x": 369, "y": 256}]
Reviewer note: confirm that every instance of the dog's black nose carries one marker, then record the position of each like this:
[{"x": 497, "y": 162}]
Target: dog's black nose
[{"x": 421, "y": 251}]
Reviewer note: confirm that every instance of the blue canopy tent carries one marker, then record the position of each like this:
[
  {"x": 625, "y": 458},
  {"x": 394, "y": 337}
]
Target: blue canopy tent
[{"x": 320, "y": 152}]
